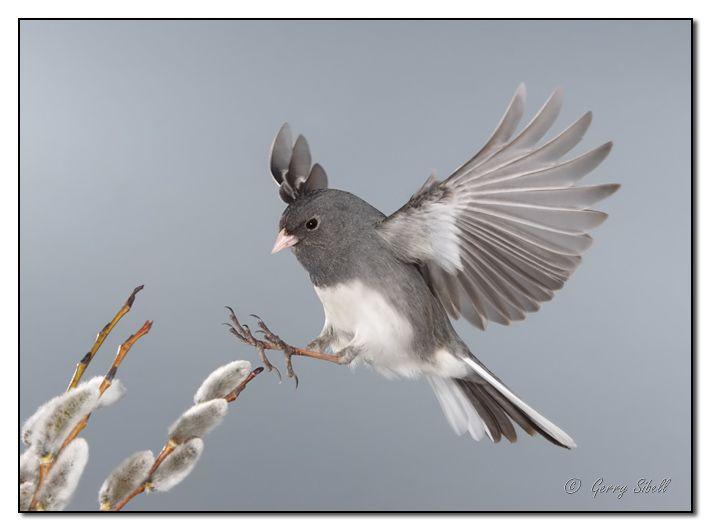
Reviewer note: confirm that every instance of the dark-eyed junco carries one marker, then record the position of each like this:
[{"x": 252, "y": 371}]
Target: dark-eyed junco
[{"x": 490, "y": 243}]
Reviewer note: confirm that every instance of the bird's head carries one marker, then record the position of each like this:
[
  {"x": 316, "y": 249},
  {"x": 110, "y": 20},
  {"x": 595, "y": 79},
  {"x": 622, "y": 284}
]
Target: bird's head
[
  {"x": 324, "y": 221},
  {"x": 323, "y": 227}
]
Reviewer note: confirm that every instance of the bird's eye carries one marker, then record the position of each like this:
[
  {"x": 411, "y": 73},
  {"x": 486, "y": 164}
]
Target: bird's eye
[{"x": 312, "y": 224}]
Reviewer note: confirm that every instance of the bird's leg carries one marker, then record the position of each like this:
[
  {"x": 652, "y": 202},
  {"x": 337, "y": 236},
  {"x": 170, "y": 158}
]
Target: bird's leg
[
  {"x": 289, "y": 351},
  {"x": 272, "y": 341},
  {"x": 324, "y": 340},
  {"x": 347, "y": 355}
]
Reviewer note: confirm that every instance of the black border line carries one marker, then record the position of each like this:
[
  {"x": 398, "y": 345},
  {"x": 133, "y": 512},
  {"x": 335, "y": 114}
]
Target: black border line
[{"x": 692, "y": 510}]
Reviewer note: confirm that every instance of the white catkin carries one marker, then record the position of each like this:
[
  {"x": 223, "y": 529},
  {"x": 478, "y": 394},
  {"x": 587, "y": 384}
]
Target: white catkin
[
  {"x": 28, "y": 427},
  {"x": 29, "y": 466},
  {"x": 27, "y": 490},
  {"x": 222, "y": 381},
  {"x": 62, "y": 480},
  {"x": 111, "y": 395},
  {"x": 60, "y": 416},
  {"x": 198, "y": 420},
  {"x": 177, "y": 465},
  {"x": 125, "y": 478}
]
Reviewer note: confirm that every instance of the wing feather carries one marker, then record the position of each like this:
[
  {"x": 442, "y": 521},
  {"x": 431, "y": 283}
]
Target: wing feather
[
  {"x": 506, "y": 230},
  {"x": 502, "y": 133}
]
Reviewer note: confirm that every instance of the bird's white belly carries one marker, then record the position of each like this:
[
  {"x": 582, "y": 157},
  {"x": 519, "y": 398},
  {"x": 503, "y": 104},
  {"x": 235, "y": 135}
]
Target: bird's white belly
[{"x": 362, "y": 318}]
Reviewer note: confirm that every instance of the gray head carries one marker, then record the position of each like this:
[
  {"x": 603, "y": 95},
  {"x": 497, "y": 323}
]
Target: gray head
[
  {"x": 324, "y": 227},
  {"x": 327, "y": 229}
]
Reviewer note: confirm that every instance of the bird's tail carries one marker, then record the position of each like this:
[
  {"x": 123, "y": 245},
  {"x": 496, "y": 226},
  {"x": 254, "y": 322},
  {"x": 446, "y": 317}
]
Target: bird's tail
[{"x": 482, "y": 405}]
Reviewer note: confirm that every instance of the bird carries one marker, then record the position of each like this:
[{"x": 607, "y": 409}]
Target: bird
[{"x": 490, "y": 243}]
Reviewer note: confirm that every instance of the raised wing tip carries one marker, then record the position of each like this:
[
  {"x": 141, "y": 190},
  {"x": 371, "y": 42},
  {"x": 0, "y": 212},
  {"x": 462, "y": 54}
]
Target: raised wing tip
[
  {"x": 555, "y": 100},
  {"x": 611, "y": 188},
  {"x": 521, "y": 90}
]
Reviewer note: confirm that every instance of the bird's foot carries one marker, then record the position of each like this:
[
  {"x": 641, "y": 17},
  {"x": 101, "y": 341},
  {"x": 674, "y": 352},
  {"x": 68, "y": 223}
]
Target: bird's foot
[
  {"x": 272, "y": 341},
  {"x": 244, "y": 334},
  {"x": 280, "y": 344},
  {"x": 346, "y": 355}
]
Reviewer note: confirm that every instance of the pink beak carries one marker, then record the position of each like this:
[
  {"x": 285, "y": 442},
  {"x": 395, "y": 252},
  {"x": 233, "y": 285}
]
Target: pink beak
[{"x": 284, "y": 241}]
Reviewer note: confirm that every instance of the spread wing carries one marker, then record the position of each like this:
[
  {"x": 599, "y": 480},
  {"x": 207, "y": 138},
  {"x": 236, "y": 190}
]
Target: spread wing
[
  {"x": 290, "y": 164},
  {"x": 508, "y": 228}
]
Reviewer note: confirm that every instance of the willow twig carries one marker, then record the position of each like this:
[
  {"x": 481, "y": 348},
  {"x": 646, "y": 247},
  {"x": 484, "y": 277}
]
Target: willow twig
[
  {"x": 232, "y": 396},
  {"x": 100, "y": 337},
  {"x": 110, "y": 375},
  {"x": 138, "y": 490}
]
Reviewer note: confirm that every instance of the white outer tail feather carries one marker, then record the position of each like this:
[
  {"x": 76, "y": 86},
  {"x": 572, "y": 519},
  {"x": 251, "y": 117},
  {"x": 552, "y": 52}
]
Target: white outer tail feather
[
  {"x": 463, "y": 418},
  {"x": 541, "y": 421}
]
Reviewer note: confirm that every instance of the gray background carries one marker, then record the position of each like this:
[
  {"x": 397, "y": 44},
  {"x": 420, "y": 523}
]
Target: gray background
[{"x": 144, "y": 160}]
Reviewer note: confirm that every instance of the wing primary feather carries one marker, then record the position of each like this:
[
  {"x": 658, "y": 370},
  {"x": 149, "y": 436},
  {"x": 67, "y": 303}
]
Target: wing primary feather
[
  {"x": 577, "y": 197},
  {"x": 540, "y": 123},
  {"x": 560, "y": 175},
  {"x": 537, "y": 158},
  {"x": 504, "y": 130}
]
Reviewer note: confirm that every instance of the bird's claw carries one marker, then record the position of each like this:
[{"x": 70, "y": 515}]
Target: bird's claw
[
  {"x": 267, "y": 364},
  {"x": 278, "y": 342},
  {"x": 240, "y": 331},
  {"x": 271, "y": 341}
]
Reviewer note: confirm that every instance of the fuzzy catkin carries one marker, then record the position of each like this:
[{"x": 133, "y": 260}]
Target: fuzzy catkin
[
  {"x": 27, "y": 490},
  {"x": 111, "y": 395},
  {"x": 177, "y": 465},
  {"x": 28, "y": 427},
  {"x": 222, "y": 381},
  {"x": 198, "y": 420},
  {"x": 126, "y": 477},
  {"x": 58, "y": 418},
  {"x": 29, "y": 466},
  {"x": 64, "y": 477}
]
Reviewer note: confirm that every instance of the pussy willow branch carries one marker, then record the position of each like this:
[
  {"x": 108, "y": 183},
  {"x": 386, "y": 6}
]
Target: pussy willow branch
[
  {"x": 100, "y": 337},
  {"x": 171, "y": 445},
  {"x": 47, "y": 464}
]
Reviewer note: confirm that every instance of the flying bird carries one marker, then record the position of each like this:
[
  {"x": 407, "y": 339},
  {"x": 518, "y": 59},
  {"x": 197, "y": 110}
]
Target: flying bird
[{"x": 490, "y": 243}]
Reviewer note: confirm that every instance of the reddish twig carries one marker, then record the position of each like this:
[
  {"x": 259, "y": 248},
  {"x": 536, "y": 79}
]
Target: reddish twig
[{"x": 100, "y": 337}]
